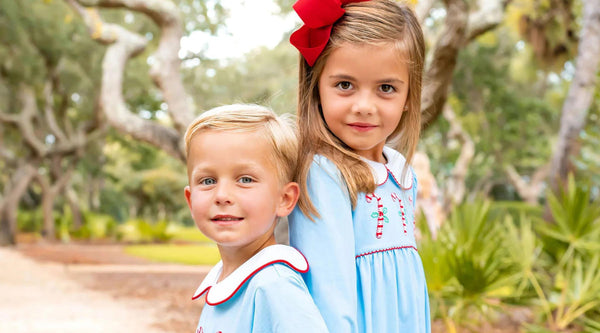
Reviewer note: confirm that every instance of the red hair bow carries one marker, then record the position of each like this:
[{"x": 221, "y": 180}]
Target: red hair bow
[{"x": 318, "y": 17}]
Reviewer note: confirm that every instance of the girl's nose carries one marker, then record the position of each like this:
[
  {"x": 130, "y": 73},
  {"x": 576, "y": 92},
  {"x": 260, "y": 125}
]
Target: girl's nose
[{"x": 364, "y": 104}]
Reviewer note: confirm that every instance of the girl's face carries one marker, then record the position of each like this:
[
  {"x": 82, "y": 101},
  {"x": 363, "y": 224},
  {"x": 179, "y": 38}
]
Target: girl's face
[{"x": 363, "y": 91}]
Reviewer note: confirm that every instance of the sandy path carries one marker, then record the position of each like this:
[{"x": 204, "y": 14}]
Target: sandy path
[{"x": 41, "y": 297}]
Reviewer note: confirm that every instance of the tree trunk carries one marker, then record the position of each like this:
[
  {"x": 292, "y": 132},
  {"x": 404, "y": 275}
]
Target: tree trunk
[
  {"x": 8, "y": 207},
  {"x": 71, "y": 196},
  {"x": 577, "y": 104}
]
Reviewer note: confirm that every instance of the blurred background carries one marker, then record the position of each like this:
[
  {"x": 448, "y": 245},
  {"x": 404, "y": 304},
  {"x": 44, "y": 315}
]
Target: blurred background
[{"x": 96, "y": 94}]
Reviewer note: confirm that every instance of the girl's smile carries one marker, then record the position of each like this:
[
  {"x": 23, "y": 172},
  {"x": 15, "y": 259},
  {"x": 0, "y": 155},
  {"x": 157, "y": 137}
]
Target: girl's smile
[{"x": 362, "y": 127}]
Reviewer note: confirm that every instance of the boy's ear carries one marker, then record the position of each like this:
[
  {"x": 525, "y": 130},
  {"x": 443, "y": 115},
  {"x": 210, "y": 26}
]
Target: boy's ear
[
  {"x": 188, "y": 193},
  {"x": 289, "y": 197}
]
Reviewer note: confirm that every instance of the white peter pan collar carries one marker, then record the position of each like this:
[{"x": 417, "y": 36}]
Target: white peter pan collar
[
  {"x": 394, "y": 166},
  {"x": 220, "y": 292}
]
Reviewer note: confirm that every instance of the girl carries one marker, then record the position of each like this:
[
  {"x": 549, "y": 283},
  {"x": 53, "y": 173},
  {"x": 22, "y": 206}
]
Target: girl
[{"x": 360, "y": 89}]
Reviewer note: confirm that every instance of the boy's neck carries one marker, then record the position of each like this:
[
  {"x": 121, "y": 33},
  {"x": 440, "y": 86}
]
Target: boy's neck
[{"x": 234, "y": 257}]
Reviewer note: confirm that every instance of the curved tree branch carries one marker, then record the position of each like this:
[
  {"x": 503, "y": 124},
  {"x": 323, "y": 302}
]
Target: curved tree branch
[
  {"x": 460, "y": 27},
  {"x": 164, "y": 70}
]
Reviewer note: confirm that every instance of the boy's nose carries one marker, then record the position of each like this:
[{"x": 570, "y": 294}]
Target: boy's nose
[{"x": 223, "y": 195}]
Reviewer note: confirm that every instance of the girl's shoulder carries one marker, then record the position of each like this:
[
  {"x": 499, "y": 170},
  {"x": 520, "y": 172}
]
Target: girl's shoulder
[{"x": 321, "y": 164}]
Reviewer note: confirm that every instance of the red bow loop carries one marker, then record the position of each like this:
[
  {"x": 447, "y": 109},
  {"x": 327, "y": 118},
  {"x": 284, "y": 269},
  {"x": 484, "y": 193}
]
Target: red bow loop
[
  {"x": 318, "y": 17},
  {"x": 319, "y": 13}
]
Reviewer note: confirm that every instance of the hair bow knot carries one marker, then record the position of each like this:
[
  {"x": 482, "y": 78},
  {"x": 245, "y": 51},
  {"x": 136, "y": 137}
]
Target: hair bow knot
[{"x": 318, "y": 17}]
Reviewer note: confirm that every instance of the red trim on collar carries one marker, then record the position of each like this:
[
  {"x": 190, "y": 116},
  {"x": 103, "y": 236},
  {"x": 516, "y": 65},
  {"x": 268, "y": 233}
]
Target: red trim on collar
[
  {"x": 389, "y": 172},
  {"x": 252, "y": 274},
  {"x": 283, "y": 261}
]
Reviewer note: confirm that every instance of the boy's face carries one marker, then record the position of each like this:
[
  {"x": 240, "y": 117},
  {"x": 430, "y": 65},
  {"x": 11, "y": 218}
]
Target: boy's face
[{"x": 234, "y": 192}]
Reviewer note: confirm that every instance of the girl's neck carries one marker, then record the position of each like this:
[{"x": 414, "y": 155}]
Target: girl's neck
[{"x": 378, "y": 157}]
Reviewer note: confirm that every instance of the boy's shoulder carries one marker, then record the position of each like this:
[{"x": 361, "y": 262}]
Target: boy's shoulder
[{"x": 272, "y": 267}]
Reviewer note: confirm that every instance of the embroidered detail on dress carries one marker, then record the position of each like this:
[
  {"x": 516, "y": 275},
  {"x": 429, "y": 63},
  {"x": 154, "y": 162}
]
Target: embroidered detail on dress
[
  {"x": 401, "y": 212},
  {"x": 385, "y": 250},
  {"x": 379, "y": 214}
]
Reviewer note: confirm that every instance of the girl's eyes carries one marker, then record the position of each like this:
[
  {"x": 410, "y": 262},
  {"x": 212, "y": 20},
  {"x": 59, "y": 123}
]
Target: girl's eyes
[
  {"x": 386, "y": 88},
  {"x": 208, "y": 181},
  {"x": 344, "y": 85}
]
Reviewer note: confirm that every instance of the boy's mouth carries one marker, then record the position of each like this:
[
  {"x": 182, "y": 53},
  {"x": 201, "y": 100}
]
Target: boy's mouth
[{"x": 226, "y": 218}]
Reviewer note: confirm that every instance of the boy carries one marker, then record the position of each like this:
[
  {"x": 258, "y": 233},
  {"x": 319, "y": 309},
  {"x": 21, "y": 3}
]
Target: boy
[{"x": 240, "y": 162}]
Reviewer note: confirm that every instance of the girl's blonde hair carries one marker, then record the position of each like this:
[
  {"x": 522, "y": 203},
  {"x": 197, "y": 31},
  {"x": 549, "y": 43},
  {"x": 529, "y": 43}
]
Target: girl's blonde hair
[
  {"x": 279, "y": 131},
  {"x": 370, "y": 22}
]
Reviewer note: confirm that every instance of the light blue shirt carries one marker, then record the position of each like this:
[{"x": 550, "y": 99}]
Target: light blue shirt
[
  {"x": 265, "y": 294},
  {"x": 366, "y": 274}
]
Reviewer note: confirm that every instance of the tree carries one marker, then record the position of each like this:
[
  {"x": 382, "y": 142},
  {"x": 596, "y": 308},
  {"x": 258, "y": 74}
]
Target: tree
[
  {"x": 579, "y": 98},
  {"x": 43, "y": 136}
]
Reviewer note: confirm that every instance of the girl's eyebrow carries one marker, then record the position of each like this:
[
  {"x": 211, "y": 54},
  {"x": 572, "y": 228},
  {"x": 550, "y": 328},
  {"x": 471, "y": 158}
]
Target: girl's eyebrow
[
  {"x": 341, "y": 77},
  {"x": 350, "y": 78},
  {"x": 391, "y": 80}
]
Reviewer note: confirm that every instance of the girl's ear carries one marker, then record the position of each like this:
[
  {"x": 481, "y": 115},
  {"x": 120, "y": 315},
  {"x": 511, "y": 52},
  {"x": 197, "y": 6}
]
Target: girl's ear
[{"x": 289, "y": 197}]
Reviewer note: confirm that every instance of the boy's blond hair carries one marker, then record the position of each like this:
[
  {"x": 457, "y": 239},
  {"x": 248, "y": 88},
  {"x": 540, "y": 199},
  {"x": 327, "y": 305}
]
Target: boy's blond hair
[{"x": 279, "y": 132}]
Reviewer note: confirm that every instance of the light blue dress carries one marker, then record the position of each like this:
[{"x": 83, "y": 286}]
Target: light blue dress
[
  {"x": 366, "y": 274},
  {"x": 265, "y": 294}
]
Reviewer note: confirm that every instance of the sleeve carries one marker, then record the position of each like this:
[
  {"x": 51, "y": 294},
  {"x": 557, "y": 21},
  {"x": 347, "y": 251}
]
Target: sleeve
[
  {"x": 328, "y": 245},
  {"x": 414, "y": 189},
  {"x": 285, "y": 306}
]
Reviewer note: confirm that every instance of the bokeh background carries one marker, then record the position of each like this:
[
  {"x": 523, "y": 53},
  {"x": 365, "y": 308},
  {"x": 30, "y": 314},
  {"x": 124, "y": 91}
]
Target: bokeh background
[{"x": 95, "y": 96}]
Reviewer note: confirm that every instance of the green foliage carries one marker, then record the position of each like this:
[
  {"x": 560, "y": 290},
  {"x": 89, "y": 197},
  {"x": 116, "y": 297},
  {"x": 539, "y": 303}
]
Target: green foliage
[
  {"x": 567, "y": 283},
  {"x": 467, "y": 271},
  {"x": 29, "y": 220},
  {"x": 184, "y": 254},
  {"x": 491, "y": 256},
  {"x": 187, "y": 234},
  {"x": 96, "y": 226},
  {"x": 142, "y": 231},
  {"x": 576, "y": 223}
]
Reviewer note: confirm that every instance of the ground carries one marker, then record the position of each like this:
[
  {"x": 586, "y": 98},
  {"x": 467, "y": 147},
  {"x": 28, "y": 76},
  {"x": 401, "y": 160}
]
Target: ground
[
  {"x": 98, "y": 288},
  {"x": 48, "y": 285}
]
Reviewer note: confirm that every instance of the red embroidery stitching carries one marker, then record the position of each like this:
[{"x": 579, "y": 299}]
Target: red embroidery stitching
[
  {"x": 384, "y": 250},
  {"x": 380, "y": 214},
  {"x": 401, "y": 212}
]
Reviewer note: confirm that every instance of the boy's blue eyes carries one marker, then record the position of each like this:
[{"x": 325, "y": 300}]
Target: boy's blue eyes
[
  {"x": 208, "y": 181},
  {"x": 212, "y": 181},
  {"x": 246, "y": 180}
]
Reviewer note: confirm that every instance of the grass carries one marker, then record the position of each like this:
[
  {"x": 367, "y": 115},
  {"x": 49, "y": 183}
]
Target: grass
[
  {"x": 188, "y": 234},
  {"x": 205, "y": 254}
]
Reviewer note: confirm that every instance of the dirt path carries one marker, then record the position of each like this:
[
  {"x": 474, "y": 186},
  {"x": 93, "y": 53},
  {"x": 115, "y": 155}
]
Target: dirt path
[{"x": 59, "y": 288}]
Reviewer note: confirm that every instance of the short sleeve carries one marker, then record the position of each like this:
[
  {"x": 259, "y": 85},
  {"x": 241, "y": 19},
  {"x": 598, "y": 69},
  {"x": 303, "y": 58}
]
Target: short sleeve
[
  {"x": 328, "y": 245},
  {"x": 285, "y": 306}
]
